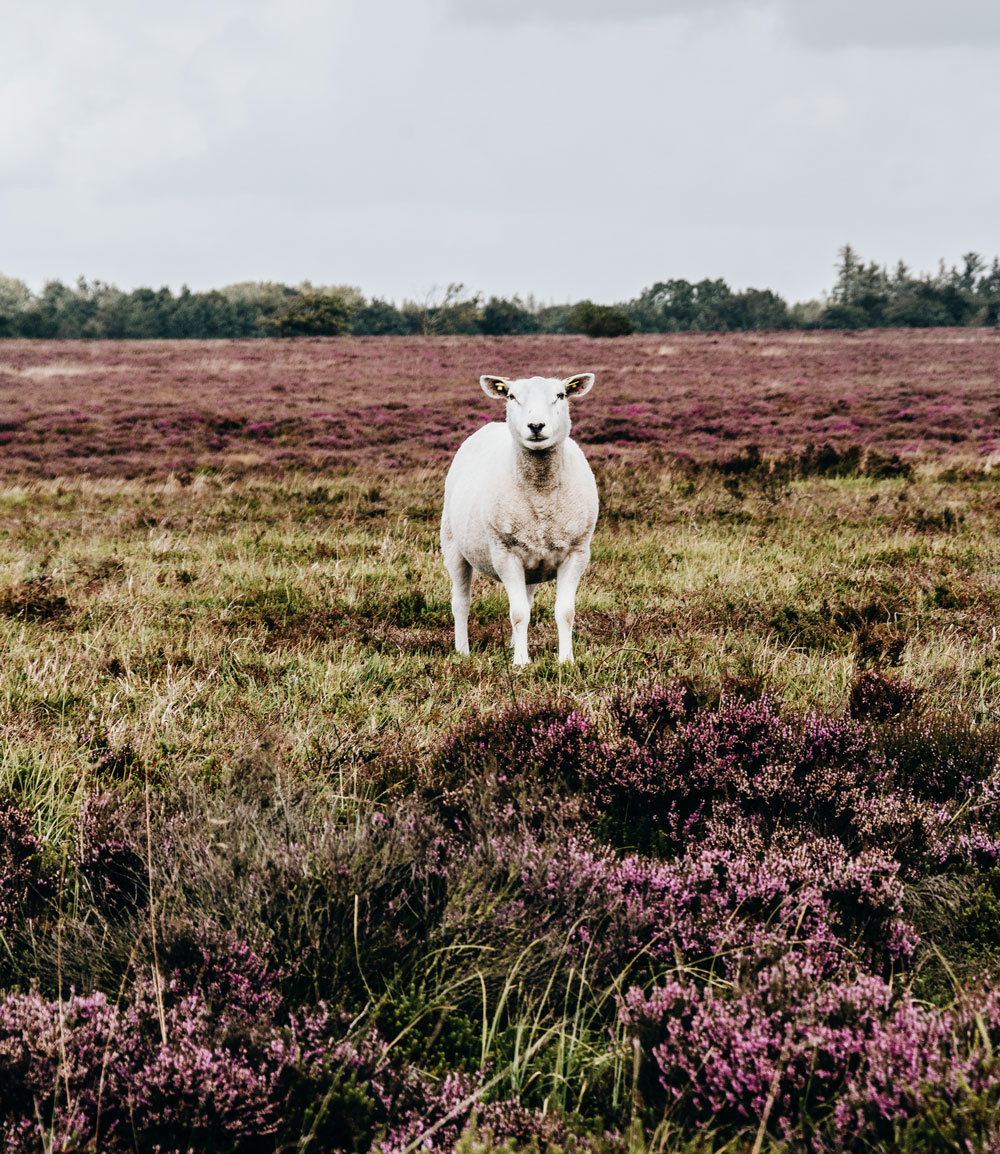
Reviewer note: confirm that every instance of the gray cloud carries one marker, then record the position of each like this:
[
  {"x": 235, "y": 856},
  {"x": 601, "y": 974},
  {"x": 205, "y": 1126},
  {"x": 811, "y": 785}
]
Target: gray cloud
[
  {"x": 894, "y": 23},
  {"x": 818, "y": 26},
  {"x": 500, "y": 12}
]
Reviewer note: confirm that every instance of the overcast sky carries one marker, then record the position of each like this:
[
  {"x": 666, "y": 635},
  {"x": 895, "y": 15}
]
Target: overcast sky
[{"x": 565, "y": 148}]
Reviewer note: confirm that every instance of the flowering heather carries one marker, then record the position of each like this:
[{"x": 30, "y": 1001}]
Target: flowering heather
[
  {"x": 140, "y": 407},
  {"x": 182, "y": 1077},
  {"x": 745, "y": 775},
  {"x": 712, "y": 904},
  {"x": 761, "y": 947},
  {"x": 832, "y": 1066}
]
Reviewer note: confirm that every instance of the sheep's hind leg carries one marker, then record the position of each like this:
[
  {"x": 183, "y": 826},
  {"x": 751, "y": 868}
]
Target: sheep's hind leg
[
  {"x": 567, "y": 580},
  {"x": 461, "y": 597}
]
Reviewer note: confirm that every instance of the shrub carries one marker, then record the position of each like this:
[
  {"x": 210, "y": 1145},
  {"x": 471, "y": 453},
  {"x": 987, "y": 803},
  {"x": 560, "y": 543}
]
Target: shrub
[
  {"x": 548, "y": 742},
  {"x": 739, "y": 773},
  {"x": 599, "y": 320},
  {"x": 311, "y": 314},
  {"x": 109, "y": 856},
  {"x": 167, "y": 1073}
]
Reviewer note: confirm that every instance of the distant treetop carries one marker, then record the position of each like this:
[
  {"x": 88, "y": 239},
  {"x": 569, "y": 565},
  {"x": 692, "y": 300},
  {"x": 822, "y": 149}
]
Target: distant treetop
[{"x": 863, "y": 296}]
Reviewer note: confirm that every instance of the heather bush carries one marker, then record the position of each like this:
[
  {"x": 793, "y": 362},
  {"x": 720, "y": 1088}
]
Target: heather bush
[
  {"x": 875, "y": 697},
  {"x": 24, "y": 882},
  {"x": 640, "y": 717},
  {"x": 944, "y": 759},
  {"x": 548, "y": 742},
  {"x": 706, "y": 905},
  {"x": 108, "y": 855},
  {"x": 181, "y": 1068},
  {"x": 663, "y": 768},
  {"x": 740, "y": 770},
  {"x": 163, "y": 1071},
  {"x": 828, "y": 1065},
  {"x": 745, "y": 773}
]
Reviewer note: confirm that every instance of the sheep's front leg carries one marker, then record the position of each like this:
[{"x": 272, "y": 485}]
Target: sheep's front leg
[
  {"x": 567, "y": 580},
  {"x": 531, "y": 590},
  {"x": 511, "y": 573}
]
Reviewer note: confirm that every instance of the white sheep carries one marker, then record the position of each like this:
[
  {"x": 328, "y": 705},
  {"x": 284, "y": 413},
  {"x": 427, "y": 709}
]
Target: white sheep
[{"x": 520, "y": 505}]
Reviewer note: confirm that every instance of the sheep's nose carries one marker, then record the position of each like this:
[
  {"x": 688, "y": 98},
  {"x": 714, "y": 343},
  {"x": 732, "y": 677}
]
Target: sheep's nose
[{"x": 536, "y": 428}]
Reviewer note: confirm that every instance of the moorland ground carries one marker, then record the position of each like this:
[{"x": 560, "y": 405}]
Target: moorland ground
[{"x": 279, "y": 870}]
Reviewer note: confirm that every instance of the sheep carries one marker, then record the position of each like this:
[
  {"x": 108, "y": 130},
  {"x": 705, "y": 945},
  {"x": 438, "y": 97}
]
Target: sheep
[{"x": 520, "y": 506}]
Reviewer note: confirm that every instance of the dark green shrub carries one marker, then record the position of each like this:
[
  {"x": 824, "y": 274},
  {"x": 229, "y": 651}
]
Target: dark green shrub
[
  {"x": 506, "y": 318},
  {"x": 311, "y": 314},
  {"x": 600, "y": 320}
]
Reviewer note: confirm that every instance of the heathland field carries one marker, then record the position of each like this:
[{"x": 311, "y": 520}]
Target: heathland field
[{"x": 280, "y": 871}]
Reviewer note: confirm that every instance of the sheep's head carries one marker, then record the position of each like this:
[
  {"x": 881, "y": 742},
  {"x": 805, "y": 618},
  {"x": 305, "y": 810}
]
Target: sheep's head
[{"x": 538, "y": 407}]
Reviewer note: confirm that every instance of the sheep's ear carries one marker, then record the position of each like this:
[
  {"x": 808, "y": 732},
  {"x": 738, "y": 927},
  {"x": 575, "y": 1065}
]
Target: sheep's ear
[
  {"x": 577, "y": 385},
  {"x": 495, "y": 386}
]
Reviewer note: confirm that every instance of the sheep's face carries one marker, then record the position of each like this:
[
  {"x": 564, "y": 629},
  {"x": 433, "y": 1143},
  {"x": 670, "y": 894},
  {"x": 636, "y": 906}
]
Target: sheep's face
[{"x": 538, "y": 407}]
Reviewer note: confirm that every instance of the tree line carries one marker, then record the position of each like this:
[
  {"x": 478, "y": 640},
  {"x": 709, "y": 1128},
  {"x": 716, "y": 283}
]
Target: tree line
[{"x": 863, "y": 296}]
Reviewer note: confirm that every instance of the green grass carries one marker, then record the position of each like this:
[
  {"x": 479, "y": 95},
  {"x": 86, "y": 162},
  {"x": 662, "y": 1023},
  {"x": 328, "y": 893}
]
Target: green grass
[
  {"x": 185, "y": 637},
  {"x": 186, "y": 622}
]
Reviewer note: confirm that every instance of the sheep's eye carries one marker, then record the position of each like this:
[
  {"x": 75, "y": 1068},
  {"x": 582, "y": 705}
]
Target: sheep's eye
[
  {"x": 560, "y": 396},
  {"x": 511, "y": 397}
]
